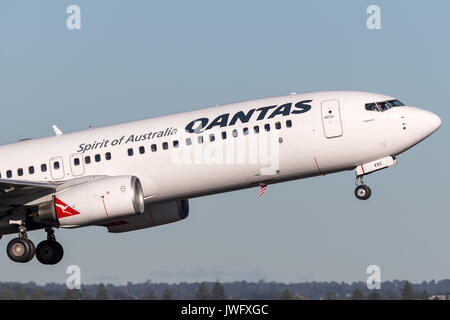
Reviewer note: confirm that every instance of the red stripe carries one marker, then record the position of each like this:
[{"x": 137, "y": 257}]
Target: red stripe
[
  {"x": 317, "y": 165},
  {"x": 104, "y": 206},
  {"x": 261, "y": 192},
  {"x": 362, "y": 169}
]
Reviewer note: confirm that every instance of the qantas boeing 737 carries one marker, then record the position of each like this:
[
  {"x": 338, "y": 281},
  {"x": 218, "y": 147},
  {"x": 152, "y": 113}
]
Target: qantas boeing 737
[{"x": 141, "y": 174}]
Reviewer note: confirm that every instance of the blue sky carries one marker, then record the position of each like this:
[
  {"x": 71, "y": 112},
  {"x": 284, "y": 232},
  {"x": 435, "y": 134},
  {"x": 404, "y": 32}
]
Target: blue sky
[{"x": 134, "y": 60}]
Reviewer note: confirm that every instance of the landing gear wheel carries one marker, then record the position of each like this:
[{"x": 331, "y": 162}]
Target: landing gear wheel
[
  {"x": 32, "y": 250},
  {"x": 49, "y": 252},
  {"x": 20, "y": 250},
  {"x": 363, "y": 192}
]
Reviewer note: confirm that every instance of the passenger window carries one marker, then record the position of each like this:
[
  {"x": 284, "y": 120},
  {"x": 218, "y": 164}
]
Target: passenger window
[
  {"x": 31, "y": 170},
  {"x": 130, "y": 152},
  {"x": 97, "y": 158},
  {"x": 20, "y": 172},
  {"x": 175, "y": 144},
  {"x": 165, "y": 145},
  {"x": 87, "y": 159},
  {"x": 245, "y": 131},
  {"x": 141, "y": 149},
  {"x": 224, "y": 135},
  {"x": 154, "y": 148},
  {"x": 9, "y": 174},
  {"x": 288, "y": 123},
  {"x": 200, "y": 139},
  {"x": 108, "y": 156},
  {"x": 267, "y": 127},
  {"x": 277, "y": 125},
  {"x": 256, "y": 129},
  {"x": 188, "y": 141},
  {"x": 212, "y": 137},
  {"x": 56, "y": 165},
  {"x": 76, "y": 161},
  {"x": 43, "y": 167},
  {"x": 234, "y": 133}
]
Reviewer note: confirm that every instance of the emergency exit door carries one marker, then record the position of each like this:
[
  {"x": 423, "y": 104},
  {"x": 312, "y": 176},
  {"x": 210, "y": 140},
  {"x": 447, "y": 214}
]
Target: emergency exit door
[
  {"x": 57, "y": 168},
  {"x": 77, "y": 164},
  {"x": 331, "y": 118}
]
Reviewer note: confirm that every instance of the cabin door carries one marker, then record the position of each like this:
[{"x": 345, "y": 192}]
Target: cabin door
[{"x": 331, "y": 118}]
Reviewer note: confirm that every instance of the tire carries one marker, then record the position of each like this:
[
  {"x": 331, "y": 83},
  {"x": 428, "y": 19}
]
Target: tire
[
  {"x": 49, "y": 252},
  {"x": 20, "y": 250},
  {"x": 32, "y": 250},
  {"x": 363, "y": 192}
]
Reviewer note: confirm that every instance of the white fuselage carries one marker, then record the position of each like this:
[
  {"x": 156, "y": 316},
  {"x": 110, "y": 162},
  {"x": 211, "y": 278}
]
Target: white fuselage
[{"x": 336, "y": 133}]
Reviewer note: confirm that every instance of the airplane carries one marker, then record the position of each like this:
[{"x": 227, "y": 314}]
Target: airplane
[{"x": 142, "y": 174}]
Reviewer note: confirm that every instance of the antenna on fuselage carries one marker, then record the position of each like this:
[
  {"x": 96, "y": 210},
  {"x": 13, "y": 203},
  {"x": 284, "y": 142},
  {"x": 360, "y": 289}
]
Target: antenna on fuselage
[{"x": 57, "y": 131}]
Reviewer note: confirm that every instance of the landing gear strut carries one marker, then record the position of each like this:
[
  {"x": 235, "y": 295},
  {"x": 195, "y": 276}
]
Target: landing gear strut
[
  {"x": 362, "y": 191},
  {"x": 20, "y": 249},
  {"x": 49, "y": 251}
]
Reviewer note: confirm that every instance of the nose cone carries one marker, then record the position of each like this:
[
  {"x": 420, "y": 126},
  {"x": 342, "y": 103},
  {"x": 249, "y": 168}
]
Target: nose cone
[
  {"x": 428, "y": 122},
  {"x": 421, "y": 123},
  {"x": 435, "y": 122}
]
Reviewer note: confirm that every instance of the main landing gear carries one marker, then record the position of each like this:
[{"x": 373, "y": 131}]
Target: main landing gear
[
  {"x": 21, "y": 249},
  {"x": 49, "y": 251},
  {"x": 362, "y": 191}
]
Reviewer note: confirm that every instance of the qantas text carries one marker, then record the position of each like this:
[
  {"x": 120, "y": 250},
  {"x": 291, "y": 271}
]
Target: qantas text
[{"x": 202, "y": 124}]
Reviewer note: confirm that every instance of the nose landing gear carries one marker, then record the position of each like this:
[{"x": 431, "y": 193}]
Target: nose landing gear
[{"x": 362, "y": 191}]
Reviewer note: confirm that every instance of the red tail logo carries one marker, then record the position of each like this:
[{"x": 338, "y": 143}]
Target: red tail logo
[{"x": 63, "y": 210}]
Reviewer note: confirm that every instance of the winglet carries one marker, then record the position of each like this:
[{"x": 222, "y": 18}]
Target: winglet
[{"x": 57, "y": 131}]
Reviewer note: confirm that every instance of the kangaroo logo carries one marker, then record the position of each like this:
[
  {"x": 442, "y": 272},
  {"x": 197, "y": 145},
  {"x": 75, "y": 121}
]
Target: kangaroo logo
[{"x": 63, "y": 210}]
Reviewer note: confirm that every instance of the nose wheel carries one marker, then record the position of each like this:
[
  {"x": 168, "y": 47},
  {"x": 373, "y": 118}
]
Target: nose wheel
[{"x": 362, "y": 191}]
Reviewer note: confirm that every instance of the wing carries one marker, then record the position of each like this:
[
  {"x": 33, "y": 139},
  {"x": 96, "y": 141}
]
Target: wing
[
  {"x": 17, "y": 192},
  {"x": 14, "y": 193},
  {"x": 11, "y": 188}
]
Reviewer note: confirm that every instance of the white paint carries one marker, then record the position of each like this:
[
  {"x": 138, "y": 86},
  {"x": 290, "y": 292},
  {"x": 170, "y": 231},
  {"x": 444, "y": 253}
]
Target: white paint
[{"x": 358, "y": 137}]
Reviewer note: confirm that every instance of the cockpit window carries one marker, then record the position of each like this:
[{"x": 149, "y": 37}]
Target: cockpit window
[
  {"x": 384, "y": 105},
  {"x": 396, "y": 103},
  {"x": 372, "y": 107}
]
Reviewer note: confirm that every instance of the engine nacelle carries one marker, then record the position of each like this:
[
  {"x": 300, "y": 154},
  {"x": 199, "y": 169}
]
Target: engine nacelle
[
  {"x": 154, "y": 215},
  {"x": 95, "y": 202}
]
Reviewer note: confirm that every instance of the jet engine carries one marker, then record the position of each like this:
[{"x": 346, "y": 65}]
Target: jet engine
[
  {"x": 155, "y": 214},
  {"x": 95, "y": 202}
]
